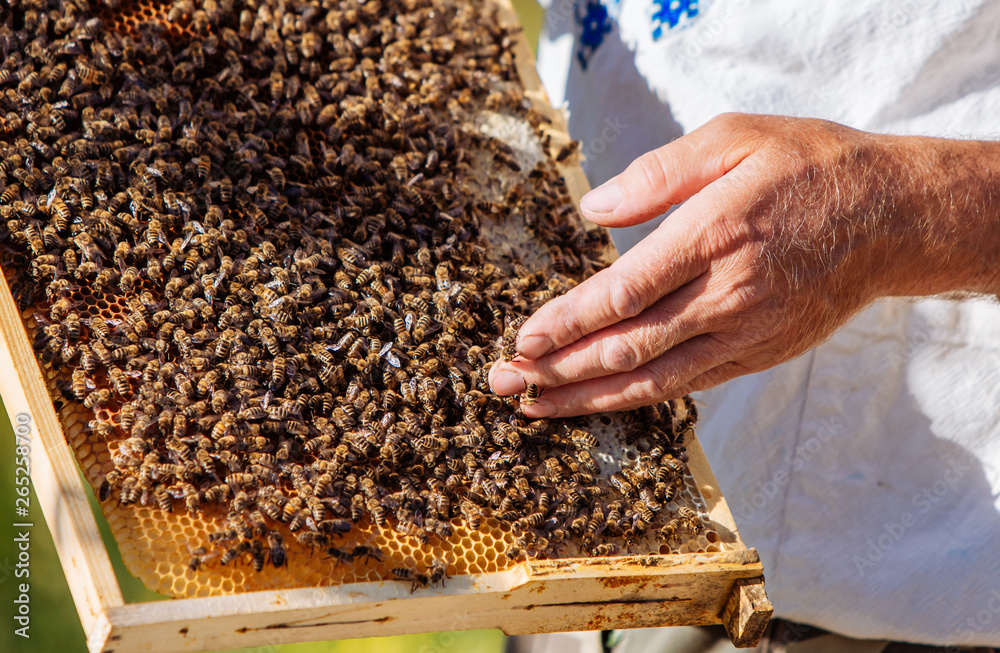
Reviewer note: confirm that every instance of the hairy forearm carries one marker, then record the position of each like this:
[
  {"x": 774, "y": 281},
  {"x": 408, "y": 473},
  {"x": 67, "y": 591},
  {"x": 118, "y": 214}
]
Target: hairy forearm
[{"x": 947, "y": 217}]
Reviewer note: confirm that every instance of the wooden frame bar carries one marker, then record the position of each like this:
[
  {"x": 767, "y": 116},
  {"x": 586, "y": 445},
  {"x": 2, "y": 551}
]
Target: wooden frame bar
[{"x": 535, "y": 596}]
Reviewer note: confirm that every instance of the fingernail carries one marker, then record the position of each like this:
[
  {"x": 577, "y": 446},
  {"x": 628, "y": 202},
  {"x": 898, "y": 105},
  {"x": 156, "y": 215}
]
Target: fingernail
[
  {"x": 536, "y": 346},
  {"x": 505, "y": 382},
  {"x": 538, "y": 410},
  {"x": 603, "y": 199}
]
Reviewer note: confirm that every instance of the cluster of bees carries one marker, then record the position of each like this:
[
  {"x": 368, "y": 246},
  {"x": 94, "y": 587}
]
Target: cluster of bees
[{"x": 255, "y": 255}]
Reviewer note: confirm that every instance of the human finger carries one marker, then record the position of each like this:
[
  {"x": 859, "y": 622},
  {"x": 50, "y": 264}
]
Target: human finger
[
  {"x": 670, "y": 174},
  {"x": 667, "y": 377},
  {"x": 691, "y": 310}
]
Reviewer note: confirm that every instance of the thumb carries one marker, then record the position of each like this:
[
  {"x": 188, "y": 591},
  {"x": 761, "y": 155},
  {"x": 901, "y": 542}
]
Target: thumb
[{"x": 671, "y": 174}]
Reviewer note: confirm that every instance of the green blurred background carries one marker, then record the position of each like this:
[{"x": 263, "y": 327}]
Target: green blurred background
[{"x": 55, "y": 625}]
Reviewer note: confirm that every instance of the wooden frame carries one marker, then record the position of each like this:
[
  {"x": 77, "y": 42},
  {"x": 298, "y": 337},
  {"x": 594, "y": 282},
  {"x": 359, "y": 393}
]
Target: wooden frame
[{"x": 535, "y": 596}]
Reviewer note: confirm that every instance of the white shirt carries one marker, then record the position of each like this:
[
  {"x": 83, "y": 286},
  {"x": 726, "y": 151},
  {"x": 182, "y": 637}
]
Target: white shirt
[{"x": 866, "y": 472}]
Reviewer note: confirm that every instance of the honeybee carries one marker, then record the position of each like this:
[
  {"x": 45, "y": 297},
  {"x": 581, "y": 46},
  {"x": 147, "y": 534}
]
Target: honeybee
[
  {"x": 670, "y": 468},
  {"x": 669, "y": 532},
  {"x": 334, "y": 526},
  {"x": 533, "y": 520},
  {"x": 61, "y": 215},
  {"x": 118, "y": 381},
  {"x": 437, "y": 572},
  {"x": 588, "y": 462},
  {"x": 531, "y": 394},
  {"x": 606, "y": 549},
  {"x": 312, "y": 539},
  {"x": 226, "y": 422},
  {"x": 235, "y": 551},
  {"x": 339, "y": 555},
  {"x": 197, "y": 54},
  {"x": 97, "y": 398},
  {"x": 690, "y": 519},
  {"x": 472, "y": 514},
  {"x": 102, "y": 429},
  {"x": 99, "y": 327},
  {"x": 197, "y": 558},
  {"x": 367, "y": 553},
  {"x": 276, "y": 549},
  {"x": 416, "y": 579},
  {"x": 81, "y": 385},
  {"x": 129, "y": 491},
  {"x": 126, "y": 415},
  {"x": 163, "y": 500}
]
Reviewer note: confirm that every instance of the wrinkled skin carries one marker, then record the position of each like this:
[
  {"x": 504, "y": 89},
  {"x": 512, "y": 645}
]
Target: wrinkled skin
[{"x": 788, "y": 228}]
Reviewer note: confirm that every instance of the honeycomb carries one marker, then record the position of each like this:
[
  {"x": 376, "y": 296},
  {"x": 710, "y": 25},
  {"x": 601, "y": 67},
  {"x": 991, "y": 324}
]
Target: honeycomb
[
  {"x": 173, "y": 552},
  {"x": 156, "y": 546},
  {"x": 128, "y": 15}
]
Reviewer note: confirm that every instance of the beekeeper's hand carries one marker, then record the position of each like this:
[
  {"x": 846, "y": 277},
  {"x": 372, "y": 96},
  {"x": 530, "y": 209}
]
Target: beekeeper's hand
[{"x": 788, "y": 228}]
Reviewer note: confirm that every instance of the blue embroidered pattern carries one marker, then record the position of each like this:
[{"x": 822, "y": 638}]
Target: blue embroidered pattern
[
  {"x": 595, "y": 22},
  {"x": 669, "y": 13},
  {"x": 596, "y": 19}
]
